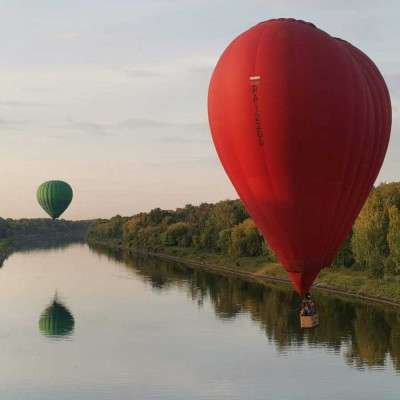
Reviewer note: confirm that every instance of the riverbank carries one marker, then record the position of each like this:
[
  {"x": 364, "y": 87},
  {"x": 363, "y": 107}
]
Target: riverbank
[
  {"x": 45, "y": 240},
  {"x": 338, "y": 280},
  {"x": 26, "y": 234}
]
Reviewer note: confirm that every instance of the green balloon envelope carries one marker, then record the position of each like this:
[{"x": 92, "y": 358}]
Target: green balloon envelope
[
  {"x": 56, "y": 320},
  {"x": 54, "y": 197}
]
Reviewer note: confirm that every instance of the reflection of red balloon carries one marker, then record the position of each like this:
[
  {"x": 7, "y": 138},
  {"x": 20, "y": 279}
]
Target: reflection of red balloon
[{"x": 301, "y": 123}]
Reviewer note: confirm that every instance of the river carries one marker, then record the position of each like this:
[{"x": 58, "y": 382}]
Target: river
[{"x": 80, "y": 322}]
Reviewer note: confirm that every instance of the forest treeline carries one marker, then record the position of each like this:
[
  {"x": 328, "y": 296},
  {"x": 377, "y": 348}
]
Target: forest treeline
[
  {"x": 225, "y": 227},
  {"x": 34, "y": 226},
  {"x": 18, "y": 230}
]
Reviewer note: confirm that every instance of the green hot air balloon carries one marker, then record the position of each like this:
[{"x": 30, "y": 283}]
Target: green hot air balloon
[
  {"x": 54, "y": 197},
  {"x": 56, "y": 320}
]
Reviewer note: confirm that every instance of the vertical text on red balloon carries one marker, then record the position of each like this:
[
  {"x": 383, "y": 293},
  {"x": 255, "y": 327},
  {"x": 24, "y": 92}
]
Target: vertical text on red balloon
[{"x": 257, "y": 117}]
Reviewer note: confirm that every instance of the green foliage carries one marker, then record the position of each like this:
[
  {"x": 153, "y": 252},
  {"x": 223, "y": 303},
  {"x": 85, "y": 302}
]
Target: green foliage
[
  {"x": 224, "y": 240},
  {"x": 149, "y": 235},
  {"x": 205, "y": 227},
  {"x": 344, "y": 257},
  {"x": 156, "y": 216},
  {"x": 369, "y": 243},
  {"x": 209, "y": 237},
  {"x": 107, "y": 229},
  {"x": 269, "y": 253},
  {"x": 225, "y": 228},
  {"x": 6, "y": 229},
  {"x": 247, "y": 241},
  {"x": 393, "y": 238},
  {"x": 37, "y": 226},
  {"x": 6, "y": 248},
  {"x": 130, "y": 228},
  {"x": 177, "y": 234},
  {"x": 228, "y": 213}
]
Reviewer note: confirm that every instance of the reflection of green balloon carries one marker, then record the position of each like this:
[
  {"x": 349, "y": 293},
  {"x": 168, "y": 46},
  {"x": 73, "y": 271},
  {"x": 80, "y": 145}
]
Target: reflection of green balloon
[
  {"x": 56, "y": 320},
  {"x": 54, "y": 197}
]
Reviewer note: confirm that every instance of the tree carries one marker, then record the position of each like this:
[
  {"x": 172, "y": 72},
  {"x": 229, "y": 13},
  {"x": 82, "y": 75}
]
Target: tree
[
  {"x": 131, "y": 227},
  {"x": 149, "y": 235},
  {"x": 177, "y": 234},
  {"x": 369, "y": 240},
  {"x": 246, "y": 240},
  {"x": 225, "y": 240},
  {"x": 228, "y": 213},
  {"x": 393, "y": 238},
  {"x": 115, "y": 227},
  {"x": 5, "y": 229},
  {"x": 209, "y": 237},
  {"x": 344, "y": 257},
  {"x": 198, "y": 217},
  {"x": 156, "y": 216},
  {"x": 268, "y": 253}
]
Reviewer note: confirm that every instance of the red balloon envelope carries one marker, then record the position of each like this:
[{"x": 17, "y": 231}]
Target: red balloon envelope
[{"x": 301, "y": 123}]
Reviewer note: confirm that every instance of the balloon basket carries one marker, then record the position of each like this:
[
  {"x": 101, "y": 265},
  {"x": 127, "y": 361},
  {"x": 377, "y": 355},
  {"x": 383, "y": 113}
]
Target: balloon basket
[{"x": 309, "y": 321}]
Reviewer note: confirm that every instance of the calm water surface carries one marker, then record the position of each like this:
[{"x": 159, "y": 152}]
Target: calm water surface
[{"x": 88, "y": 323}]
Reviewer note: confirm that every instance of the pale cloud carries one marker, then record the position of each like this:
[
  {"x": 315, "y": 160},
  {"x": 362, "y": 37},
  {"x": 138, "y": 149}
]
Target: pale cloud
[
  {"x": 21, "y": 103},
  {"x": 168, "y": 132},
  {"x": 132, "y": 72},
  {"x": 91, "y": 128},
  {"x": 181, "y": 140},
  {"x": 66, "y": 36},
  {"x": 153, "y": 123}
]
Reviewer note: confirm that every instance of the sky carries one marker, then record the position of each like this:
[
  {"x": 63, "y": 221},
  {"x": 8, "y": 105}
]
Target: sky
[{"x": 111, "y": 96}]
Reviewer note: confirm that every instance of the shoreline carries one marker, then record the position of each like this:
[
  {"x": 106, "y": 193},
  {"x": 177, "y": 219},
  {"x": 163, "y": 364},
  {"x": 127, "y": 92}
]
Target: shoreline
[
  {"x": 252, "y": 275},
  {"x": 19, "y": 242}
]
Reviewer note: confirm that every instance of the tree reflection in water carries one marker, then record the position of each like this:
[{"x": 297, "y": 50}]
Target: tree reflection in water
[
  {"x": 365, "y": 332},
  {"x": 47, "y": 242}
]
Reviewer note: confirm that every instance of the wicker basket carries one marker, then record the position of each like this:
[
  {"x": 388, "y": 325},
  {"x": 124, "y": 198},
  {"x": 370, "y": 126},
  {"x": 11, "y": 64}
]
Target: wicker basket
[{"x": 309, "y": 321}]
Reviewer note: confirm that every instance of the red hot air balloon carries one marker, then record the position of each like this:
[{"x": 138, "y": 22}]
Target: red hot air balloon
[{"x": 301, "y": 123}]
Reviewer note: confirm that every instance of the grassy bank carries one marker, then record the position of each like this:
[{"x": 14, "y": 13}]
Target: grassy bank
[{"x": 344, "y": 280}]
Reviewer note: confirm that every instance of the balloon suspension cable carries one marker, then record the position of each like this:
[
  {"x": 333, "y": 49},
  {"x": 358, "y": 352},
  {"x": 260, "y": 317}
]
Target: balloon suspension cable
[
  {"x": 293, "y": 309},
  {"x": 296, "y": 309}
]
